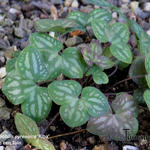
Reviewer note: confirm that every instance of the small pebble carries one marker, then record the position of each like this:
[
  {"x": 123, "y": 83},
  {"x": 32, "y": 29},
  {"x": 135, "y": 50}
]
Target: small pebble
[
  {"x": 73, "y": 41},
  {"x": 134, "y": 5},
  {"x": 75, "y": 4},
  {"x": 1, "y": 147},
  {"x": 147, "y": 7},
  {"x": 68, "y": 3},
  {"x": 128, "y": 147},
  {"x": 148, "y": 32},
  {"x": 2, "y": 72}
]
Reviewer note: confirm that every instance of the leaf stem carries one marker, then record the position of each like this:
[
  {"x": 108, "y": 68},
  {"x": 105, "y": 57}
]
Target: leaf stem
[
  {"x": 54, "y": 118},
  {"x": 66, "y": 134}
]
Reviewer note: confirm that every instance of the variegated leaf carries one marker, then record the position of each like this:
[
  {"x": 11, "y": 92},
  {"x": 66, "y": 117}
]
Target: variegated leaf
[
  {"x": 43, "y": 41},
  {"x": 144, "y": 39},
  {"x": 26, "y": 127},
  {"x": 100, "y": 77},
  {"x": 78, "y": 17},
  {"x": 65, "y": 91},
  {"x": 115, "y": 33},
  {"x": 31, "y": 66},
  {"x": 122, "y": 52},
  {"x": 11, "y": 63},
  {"x": 101, "y": 3},
  {"x": 74, "y": 116},
  {"x": 101, "y": 30},
  {"x": 73, "y": 65},
  {"x": 112, "y": 126},
  {"x": 100, "y": 14},
  {"x": 94, "y": 101},
  {"x": 17, "y": 89},
  {"x": 38, "y": 104},
  {"x": 59, "y": 25},
  {"x": 93, "y": 55},
  {"x": 123, "y": 103},
  {"x": 42, "y": 144},
  {"x": 74, "y": 110},
  {"x": 119, "y": 33},
  {"x": 147, "y": 97},
  {"x": 137, "y": 68}
]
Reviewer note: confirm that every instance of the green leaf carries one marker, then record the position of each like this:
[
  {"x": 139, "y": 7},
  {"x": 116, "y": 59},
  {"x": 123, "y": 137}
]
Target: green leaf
[
  {"x": 74, "y": 110},
  {"x": 78, "y": 17},
  {"x": 101, "y": 3},
  {"x": 111, "y": 126},
  {"x": 99, "y": 13},
  {"x": 35, "y": 100},
  {"x": 73, "y": 65},
  {"x": 95, "y": 101},
  {"x": 101, "y": 30},
  {"x": 11, "y": 63},
  {"x": 43, "y": 144},
  {"x": 119, "y": 33},
  {"x": 26, "y": 127},
  {"x": 63, "y": 92},
  {"x": 144, "y": 39},
  {"x": 17, "y": 89},
  {"x": 38, "y": 104},
  {"x": 59, "y": 25},
  {"x": 137, "y": 68},
  {"x": 99, "y": 76},
  {"x": 43, "y": 42},
  {"x": 138, "y": 96},
  {"x": 93, "y": 55},
  {"x": 31, "y": 66},
  {"x": 74, "y": 116},
  {"x": 122, "y": 52},
  {"x": 147, "y": 67},
  {"x": 147, "y": 97}
]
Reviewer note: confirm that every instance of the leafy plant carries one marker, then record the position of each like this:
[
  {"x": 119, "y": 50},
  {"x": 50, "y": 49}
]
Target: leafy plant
[
  {"x": 32, "y": 75},
  {"x": 28, "y": 129},
  {"x": 113, "y": 125}
]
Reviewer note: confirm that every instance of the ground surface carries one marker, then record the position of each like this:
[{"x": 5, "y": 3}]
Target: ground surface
[{"x": 16, "y": 23}]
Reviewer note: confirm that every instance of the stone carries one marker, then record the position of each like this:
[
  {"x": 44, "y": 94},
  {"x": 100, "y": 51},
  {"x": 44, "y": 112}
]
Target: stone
[
  {"x": 73, "y": 41},
  {"x": 147, "y": 7},
  {"x": 19, "y": 32},
  {"x": 1, "y": 147},
  {"x": 75, "y": 4},
  {"x": 5, "y": 135},
  {"x": 68, "y": 3},
  {"x": 128, "y": 147},
  {"x": 134, "y": 5},
  {"x": 5, "y": 113}
]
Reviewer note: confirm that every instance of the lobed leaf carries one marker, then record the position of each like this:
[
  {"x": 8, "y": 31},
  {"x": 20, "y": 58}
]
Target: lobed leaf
[
  {"x": 17, "y": 89},
  {"x": 74, "y": 110},
  {"x": 122, "y": 52},
  {"x": 31, "y": 66},
  {"x": 99, "y": 13},
  {"x": 93, "y": 55},
  {"x": 78, "y": 17},
  {"x": 59, "y": 25},
  {"x": 64, "y": 92},
  {"x": 43, "y": 41},
  {"x": 73, "y": 65},
  {"x": 112, "y": 126},
  {"x": 38, "y": 104}
]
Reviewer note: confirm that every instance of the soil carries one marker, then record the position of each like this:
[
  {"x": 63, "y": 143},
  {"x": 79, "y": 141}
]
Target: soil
[{"x": 62, "y": 136}]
